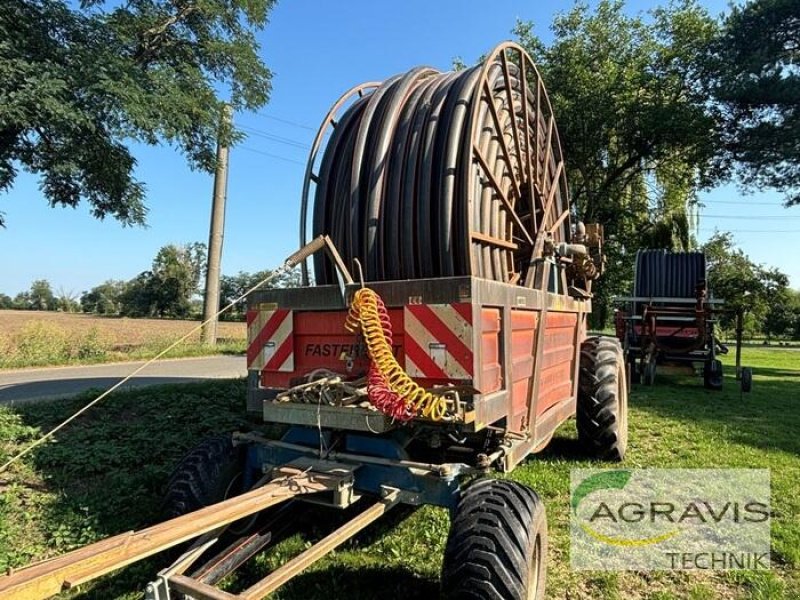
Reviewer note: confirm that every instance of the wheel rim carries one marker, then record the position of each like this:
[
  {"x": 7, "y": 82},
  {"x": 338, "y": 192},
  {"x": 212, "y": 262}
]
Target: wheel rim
[{"x": 535, "y": 573}]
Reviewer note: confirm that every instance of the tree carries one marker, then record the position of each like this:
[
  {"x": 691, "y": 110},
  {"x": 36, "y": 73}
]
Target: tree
[
  {"x": 22, "y": 301},
  {"x": 233, "y": 286},
  {"x": 631, "y": 112},
  {"x": 741, "y": 283},
  {"x": 166, "y": 290},
  {"x": 6, "y": 302},
  {"x": 783, "y": 315},
  {"x": 175, "y": 277},
  {"x": 103, "y": 299},
  {"x": 136, "y": 298},
  {"x": 80, "y": 81},
  {"x": 755, "y": 78},
  {"x": 67, "y": 301},
  {"x": 41, "y": 296}
]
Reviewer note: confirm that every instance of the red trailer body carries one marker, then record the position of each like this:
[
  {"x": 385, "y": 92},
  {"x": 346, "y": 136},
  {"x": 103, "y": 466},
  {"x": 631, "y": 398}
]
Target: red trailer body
[{"x": 512, "y": 353}]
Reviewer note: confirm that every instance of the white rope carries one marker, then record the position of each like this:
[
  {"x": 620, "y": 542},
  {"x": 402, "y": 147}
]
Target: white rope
[{"x": 49, "y": 434}]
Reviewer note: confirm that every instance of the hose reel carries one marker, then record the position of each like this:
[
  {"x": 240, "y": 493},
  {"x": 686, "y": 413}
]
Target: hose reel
[{"x": 432, "y": 174}]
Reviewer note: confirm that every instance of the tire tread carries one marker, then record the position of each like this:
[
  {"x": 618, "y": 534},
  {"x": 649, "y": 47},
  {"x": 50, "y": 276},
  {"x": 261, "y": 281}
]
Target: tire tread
[{"x": 491, "y": 541}]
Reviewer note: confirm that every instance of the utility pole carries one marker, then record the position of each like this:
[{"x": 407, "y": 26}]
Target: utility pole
[{"x": 216, "y": 234}]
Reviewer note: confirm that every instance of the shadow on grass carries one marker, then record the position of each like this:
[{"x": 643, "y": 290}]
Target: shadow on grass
[
  {"x": 334, "y": 581},
  {"x": 365, "y": 582},
  {"x": 107, "y": 471},
  {"x": 767, "y": 418},
  {"x": 562, "y": 448}
]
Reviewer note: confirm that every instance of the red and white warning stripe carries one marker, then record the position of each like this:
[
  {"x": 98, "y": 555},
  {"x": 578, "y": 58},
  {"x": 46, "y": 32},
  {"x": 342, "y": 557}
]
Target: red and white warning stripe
[
  {"x": 438, "y": 341},
  {"x": 270, "y": 344}
]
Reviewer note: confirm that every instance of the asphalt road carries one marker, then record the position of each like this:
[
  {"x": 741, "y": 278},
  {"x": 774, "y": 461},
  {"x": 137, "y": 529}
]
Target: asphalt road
[{"x": 23, "y": 385}]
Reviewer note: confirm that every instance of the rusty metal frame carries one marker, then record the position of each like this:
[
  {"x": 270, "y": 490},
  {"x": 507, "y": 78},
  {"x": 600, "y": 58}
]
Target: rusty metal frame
[
  {"x": 329, "y": 121},
  {"x": 522, "y": 164}
]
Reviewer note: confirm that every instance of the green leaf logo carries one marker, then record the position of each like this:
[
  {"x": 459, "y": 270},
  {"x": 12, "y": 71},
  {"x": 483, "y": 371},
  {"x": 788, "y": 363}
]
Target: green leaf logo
[
  {"x": 610, "y": 480},
  {"x": 615, "y": 480}
]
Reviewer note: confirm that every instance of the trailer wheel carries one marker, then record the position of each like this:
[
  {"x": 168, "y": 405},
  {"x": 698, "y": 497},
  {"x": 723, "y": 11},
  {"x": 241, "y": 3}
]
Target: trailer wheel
[
  {"x": 497, "y": 545},
  {"x": 602, "y": 406},
  {"x": 747, "y": 379},
  {"x": 712, "y": 374},
  {"x": 209, "y": 473}
]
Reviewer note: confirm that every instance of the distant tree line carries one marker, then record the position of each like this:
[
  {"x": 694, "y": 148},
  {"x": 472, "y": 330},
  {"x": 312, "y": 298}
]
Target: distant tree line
[
  {"x": 40, "y": 296},
  {"x": 169, "y": 289}
]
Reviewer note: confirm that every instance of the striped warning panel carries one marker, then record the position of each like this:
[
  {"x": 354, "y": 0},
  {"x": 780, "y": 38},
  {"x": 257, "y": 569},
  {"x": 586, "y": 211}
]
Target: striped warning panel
[
  {"x": 269, "y": 340},
  {"x": 438, "y": 341}
]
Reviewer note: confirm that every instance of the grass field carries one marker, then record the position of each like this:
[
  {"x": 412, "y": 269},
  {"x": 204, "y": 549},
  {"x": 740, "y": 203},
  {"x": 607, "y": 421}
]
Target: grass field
[
  {"x": 105, "y": 475},
  {"x": 40, "y": 338}
]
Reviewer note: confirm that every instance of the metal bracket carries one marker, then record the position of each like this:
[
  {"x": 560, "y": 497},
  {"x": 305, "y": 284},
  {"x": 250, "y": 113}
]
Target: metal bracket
[
  {"x": 158, "y": 589},
  {"x": 322, "y": 242}
]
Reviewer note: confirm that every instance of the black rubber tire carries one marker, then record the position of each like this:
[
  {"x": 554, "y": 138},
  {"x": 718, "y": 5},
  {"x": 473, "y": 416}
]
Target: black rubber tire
[
  {"x": 602, "y": 405},
  {"x": 497, "y": 545},
  {"x": 747, "y": 379},
  {"x": 712, "y": 375},
  {"x": 209, "y": 473}
]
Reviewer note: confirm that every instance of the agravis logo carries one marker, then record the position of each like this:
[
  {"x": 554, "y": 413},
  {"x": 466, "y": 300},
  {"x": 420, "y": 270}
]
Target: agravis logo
[
  {"x": 610, "y": 480},
  {"x": 670, "y": 518}
]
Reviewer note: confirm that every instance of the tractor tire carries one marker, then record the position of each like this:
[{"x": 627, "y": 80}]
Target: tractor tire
[
  {"x": 211, "y": 472},
  {"x": 497, "y": 545},
  {"x": 602, "y": 405},
  {"x": 712, "y": 375}
]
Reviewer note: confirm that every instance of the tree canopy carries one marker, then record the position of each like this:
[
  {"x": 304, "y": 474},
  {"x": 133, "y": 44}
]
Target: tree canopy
[
  {"x": 754, "y": 76},
  {"x": 761, "y": 292},
  {"x": 104, "y": 299},
  {"x": 78, "y": 84},
  {"x": 233, "y": 286},
  {"x": 166, "y": 290},
  {"x": 631, "y": 112}
]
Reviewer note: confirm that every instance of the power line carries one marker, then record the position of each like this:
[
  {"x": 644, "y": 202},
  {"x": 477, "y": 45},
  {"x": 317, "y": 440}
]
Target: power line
[
  {"x": 705, "y": 202},
  {"x": 751, "y": 217},
  {"x": 276, "y": 156},
  {"x": 276, "y": 138},
  {"x": 750, "y": 230},
  {"x": 286, "y": 121}
]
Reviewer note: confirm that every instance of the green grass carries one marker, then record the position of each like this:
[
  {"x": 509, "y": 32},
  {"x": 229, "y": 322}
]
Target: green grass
[
  {"x": 105, "y": 474},
  {"x": 45, "y": 346},
  {"x": 40, "y": 339}
]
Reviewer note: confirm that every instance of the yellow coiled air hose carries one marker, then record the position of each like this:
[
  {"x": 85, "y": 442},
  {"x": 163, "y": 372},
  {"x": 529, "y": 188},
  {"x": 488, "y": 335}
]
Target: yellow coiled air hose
[{"x": 390, "y": 388}]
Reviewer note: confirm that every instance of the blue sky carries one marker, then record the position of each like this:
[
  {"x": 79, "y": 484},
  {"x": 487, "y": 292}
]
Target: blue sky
[{"x": 316, "y": 50}]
